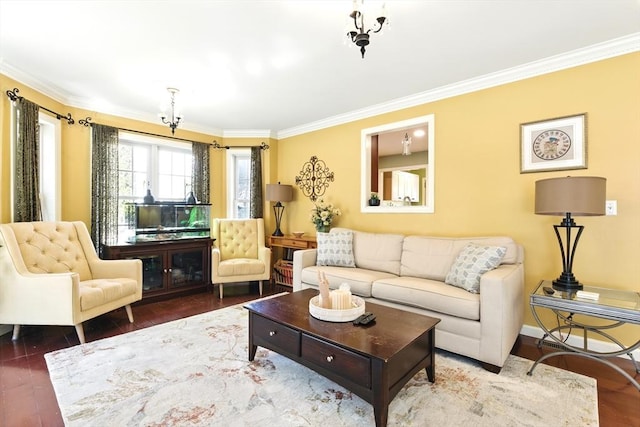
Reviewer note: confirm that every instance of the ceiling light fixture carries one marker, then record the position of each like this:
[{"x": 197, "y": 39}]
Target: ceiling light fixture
[
  {"x": 406, "y": 145},
  {"x": 175, "y": 117},
  {"x": 359, "y": 36}
]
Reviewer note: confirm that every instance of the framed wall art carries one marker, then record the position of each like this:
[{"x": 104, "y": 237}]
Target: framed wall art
[{"x": 554, "y": 144}]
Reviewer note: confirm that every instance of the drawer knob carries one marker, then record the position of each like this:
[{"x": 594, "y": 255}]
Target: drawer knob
[
  {"x": 272, "y": 333},
  {"x": 329, "y": 359}
]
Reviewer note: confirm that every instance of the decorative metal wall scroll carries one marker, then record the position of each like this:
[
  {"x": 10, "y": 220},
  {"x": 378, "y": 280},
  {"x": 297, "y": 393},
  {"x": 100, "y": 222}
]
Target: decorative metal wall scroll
[{"x": 314, "y": 178}]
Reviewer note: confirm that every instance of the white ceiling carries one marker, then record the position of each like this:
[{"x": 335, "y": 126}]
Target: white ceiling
[{"x": 248, "y": 67}]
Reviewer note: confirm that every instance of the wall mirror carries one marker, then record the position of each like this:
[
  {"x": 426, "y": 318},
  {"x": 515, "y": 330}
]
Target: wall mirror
[{"x": 397, "y": 163}]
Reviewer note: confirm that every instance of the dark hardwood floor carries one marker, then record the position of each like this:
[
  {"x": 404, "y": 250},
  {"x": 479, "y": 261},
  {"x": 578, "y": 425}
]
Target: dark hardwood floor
[{"x": 27, "y": 397}]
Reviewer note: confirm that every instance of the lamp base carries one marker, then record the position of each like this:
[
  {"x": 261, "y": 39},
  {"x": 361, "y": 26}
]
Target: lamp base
[
  {"x": 278, "y": 232},
  {"x": 566, "y": 282}
]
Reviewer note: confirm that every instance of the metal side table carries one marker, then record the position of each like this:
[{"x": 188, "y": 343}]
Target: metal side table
[{"x": 616, "y": 306}]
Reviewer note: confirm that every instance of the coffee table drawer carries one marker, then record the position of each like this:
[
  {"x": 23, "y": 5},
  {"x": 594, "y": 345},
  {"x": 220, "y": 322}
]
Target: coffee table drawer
[
  {"x": 275, "y": 336},
  {"x": 349, "y": 365}
]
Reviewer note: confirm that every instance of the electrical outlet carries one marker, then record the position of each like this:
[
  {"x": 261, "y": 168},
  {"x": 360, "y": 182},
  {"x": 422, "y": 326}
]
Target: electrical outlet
[{"x": 611, "y": 207}]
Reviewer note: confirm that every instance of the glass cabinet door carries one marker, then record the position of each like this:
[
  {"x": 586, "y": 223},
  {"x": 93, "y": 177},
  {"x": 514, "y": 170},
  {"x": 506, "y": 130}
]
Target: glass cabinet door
[
  {"x": 152, "y": 271},
  {"x": 187, "y": 267}
]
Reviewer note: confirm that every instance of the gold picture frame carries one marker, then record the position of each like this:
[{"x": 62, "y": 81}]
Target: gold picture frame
[{"x": 554, "y": 144}]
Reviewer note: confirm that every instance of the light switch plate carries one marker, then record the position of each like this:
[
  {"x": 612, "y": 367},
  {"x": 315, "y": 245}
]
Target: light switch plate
[{"x": 611, "y": 207}]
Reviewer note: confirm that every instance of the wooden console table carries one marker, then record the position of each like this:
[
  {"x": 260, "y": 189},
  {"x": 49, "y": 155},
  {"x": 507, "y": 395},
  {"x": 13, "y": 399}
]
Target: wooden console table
[{"x": 283, "y": 266}]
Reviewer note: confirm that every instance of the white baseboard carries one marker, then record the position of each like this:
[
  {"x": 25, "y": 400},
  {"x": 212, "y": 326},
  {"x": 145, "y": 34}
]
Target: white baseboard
[
  {"x": 5, "y": 329},
  {"x": 576, "y": 340}
]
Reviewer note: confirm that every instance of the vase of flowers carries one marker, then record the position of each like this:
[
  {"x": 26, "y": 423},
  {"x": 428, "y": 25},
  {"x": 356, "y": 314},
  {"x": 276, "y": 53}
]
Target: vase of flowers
[{"x": 322, "y": 215}]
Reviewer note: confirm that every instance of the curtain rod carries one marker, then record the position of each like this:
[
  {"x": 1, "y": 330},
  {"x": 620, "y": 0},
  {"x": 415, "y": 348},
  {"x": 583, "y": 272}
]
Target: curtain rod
[
  {"x": 13, "y": 96},
  {"x": 87, "y": 122}
]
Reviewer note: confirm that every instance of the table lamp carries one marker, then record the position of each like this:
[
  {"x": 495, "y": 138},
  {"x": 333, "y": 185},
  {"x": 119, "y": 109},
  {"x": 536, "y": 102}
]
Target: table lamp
[
  {"x": 570, "y": 196},
  {"x": 279, "y": 193}
]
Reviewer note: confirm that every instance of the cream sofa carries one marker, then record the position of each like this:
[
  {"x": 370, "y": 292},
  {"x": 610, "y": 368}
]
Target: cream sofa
[
  {"x": 50, "y": 274},
  {"x": 408, "y": 272}
]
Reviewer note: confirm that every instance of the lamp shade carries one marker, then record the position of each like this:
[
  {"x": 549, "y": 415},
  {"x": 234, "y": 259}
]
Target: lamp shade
[
  {"x": 279, "y": 193},
  {"x": 577, "y": 195}
]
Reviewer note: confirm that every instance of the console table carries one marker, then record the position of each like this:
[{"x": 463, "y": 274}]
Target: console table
[
  {"x": 618, "y": 307},
  {"x": 283, "y": 266}
]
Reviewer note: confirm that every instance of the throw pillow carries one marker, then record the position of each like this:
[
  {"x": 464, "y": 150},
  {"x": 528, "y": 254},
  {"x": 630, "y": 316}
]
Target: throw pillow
[
  {"x": 471, "y": 263},
  {"x": 335, "y": 249}
]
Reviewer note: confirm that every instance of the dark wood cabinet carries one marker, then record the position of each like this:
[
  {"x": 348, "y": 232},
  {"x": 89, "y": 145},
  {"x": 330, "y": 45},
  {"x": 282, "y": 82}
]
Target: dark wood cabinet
[{"x": 169, "y": 267}]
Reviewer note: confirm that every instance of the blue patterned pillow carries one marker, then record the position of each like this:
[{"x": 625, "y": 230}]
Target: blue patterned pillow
[
  {"x": 472, "y": 262},
  {"x": 335, "y": 249}
]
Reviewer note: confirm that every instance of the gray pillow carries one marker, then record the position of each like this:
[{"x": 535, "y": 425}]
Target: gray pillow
[
  {"x": 335, "y": 249},
  {"x": 471, "y": 263}
]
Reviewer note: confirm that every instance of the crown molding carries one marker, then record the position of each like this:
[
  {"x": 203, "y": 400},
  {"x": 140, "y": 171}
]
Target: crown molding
[
  {"x": 248, "y": 133},
  {"x": 601, "y": 51},
  {"x": 598, "y": 52}
]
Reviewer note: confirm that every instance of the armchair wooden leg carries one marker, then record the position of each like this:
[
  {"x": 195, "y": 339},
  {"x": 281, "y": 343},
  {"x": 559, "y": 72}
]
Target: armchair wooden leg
[
  {"x": 16, "y": 332},
  {"x": 220, "y": 288},
  {"x": 80, "y": 332},
  {"x": 129, "y": 312},
  {"x": 260, "y": 286}
]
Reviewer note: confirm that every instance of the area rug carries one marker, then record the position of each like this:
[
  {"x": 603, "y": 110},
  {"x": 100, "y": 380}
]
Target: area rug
[{"x": 195, "y": 372}]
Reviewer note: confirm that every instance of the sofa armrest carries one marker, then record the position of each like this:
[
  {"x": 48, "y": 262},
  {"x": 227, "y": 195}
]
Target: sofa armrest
[
  {"x": 117, "y": 268},
  {"x": 264, "y": 255},
  {"x": 32, "y": 299},
  {"x": 501, "y": 311},
  {"x": 301, "y": 259}
]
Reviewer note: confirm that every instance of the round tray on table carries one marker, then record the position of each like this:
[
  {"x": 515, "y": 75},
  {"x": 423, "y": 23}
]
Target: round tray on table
[{"x": 330, "y": 315}]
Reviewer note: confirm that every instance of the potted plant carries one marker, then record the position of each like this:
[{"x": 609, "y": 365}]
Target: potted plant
[{"x": 374, "y": 200}]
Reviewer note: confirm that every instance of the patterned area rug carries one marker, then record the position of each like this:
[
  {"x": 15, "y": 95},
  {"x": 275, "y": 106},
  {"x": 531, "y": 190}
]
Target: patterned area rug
[{"x": 195, "y": 372}]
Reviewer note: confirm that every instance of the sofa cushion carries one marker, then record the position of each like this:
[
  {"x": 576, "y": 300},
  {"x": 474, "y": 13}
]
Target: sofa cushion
[
  {"x": 472, "y": 262},
  {"x": 430, "y": 295},
  {"x": 98, "y": 292},
  {"x": 432, "y": 257},
  {"x": 377, "y": 251},
  {"x": 358, "y": 279},
  {"x": 335, "y": 249}
]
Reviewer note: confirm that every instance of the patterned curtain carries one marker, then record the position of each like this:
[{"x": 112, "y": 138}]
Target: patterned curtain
[
  {"x": 26, "y": 206},
  {"x": 200, "y": 175},
  {"x": 255, "y": 198},
  {"x": 104, "y": 186}
]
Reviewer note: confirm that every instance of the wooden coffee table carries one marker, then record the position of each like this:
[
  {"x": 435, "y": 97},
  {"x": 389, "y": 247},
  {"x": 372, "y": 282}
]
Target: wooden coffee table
[{"x": 373, "y": 361}]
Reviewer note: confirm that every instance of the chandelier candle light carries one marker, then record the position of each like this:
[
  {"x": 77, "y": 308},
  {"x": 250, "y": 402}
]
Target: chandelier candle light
[
  {"x": 359, "y": 35},
  {"x": 578, "y": 196},
  {"x": 175, "y": 117}
]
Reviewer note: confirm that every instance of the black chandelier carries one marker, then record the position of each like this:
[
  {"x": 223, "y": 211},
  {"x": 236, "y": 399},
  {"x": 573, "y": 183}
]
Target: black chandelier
[
  {"x": 175, "y": 118},
  {"x": 359, "y": 36}
]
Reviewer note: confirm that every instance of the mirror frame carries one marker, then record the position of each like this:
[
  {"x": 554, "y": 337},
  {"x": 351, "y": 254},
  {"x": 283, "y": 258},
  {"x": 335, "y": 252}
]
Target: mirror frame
[{"x": 365, "y": 166}]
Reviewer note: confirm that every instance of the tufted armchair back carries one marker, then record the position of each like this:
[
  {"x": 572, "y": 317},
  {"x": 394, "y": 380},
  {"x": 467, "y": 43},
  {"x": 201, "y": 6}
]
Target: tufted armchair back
[
  {"x": 240, "y": 254},
  {"x": 51, "y": 247},
  {"x": 238, "y": 238},
  {"x": 50, "y": 274}
]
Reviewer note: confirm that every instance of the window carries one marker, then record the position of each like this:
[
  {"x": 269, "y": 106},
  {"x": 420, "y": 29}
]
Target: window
[
  {"x": 239, "y": 179},
  {"x": 153, "y": 164},
  {"x": 49, "y": 167}
]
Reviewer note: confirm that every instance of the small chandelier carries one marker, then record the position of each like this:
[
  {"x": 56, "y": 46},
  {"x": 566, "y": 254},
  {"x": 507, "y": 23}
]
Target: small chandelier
[
  {"x": 359, "y": 36},
  {"x": 175, "y": 118},
  {"x": 406, "y": 145}
]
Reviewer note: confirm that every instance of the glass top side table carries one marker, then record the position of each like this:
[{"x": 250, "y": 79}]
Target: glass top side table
[{"x": 618, "y": 306}]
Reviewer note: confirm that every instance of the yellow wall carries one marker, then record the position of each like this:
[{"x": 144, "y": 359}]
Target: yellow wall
[
  {"x": 76, "y": 154},
  {"x": 479, "y": 189}
]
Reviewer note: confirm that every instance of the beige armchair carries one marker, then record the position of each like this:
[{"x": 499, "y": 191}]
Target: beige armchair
[
  {"x": 240, "y": 254},
  {"x": 50, "y": 274}
]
